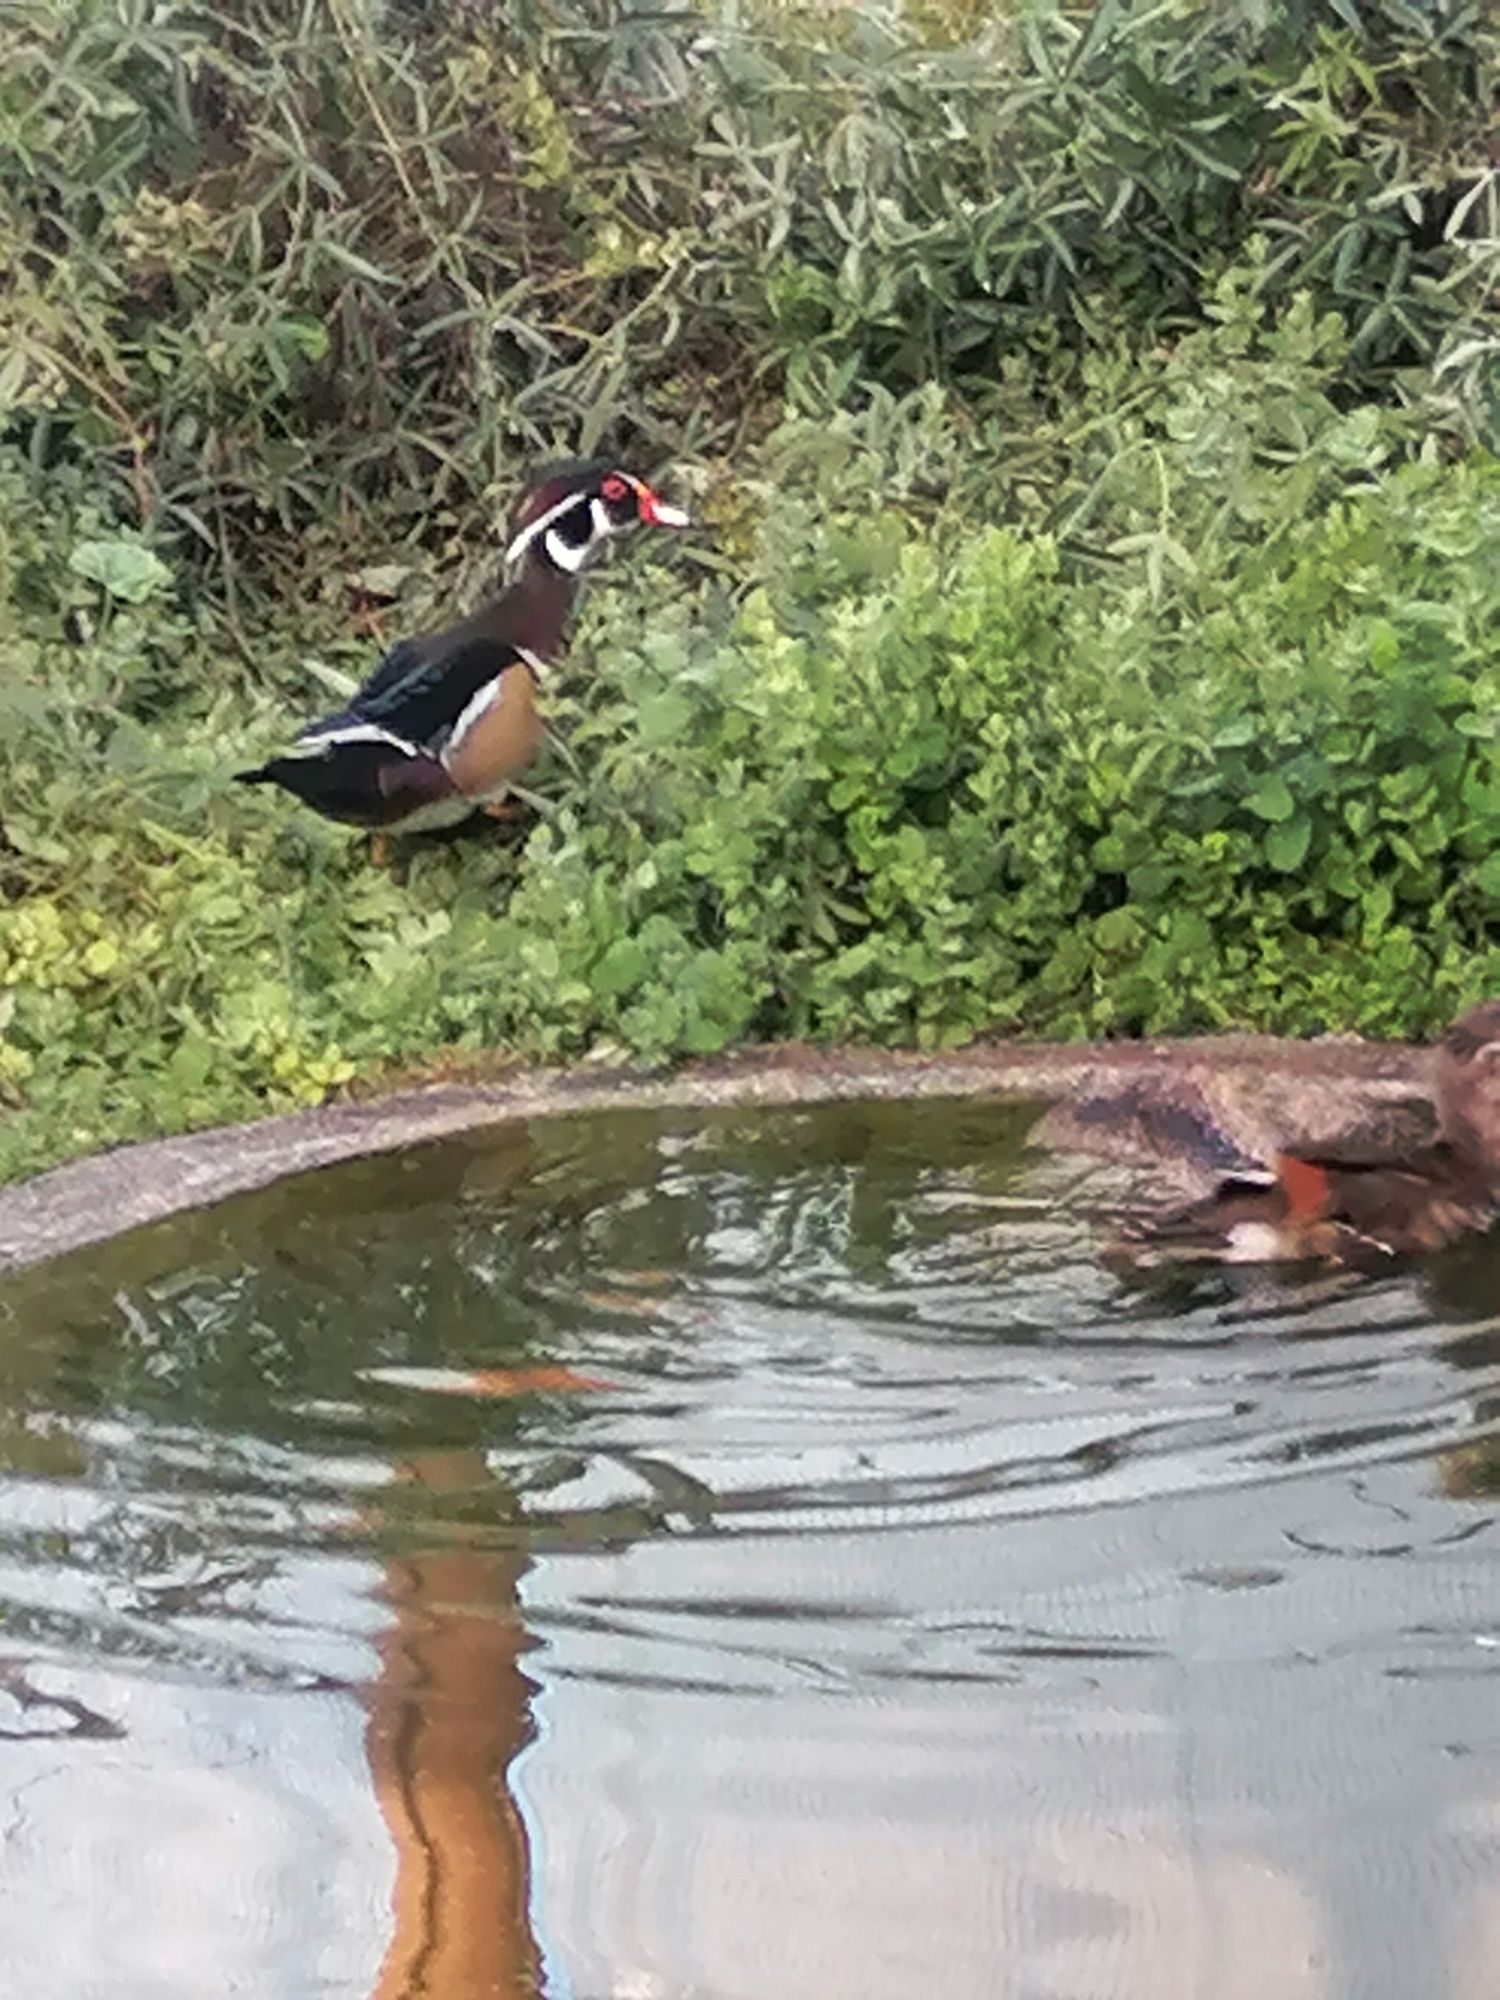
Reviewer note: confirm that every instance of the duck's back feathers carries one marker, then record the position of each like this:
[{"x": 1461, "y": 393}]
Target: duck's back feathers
[
  {"x": 423, "y": 686},
  {"x": 1173, "y": 1131}
]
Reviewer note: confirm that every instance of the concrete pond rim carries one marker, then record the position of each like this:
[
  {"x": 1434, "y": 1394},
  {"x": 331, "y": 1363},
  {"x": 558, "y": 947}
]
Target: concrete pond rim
[{"x": 1254, "y": 1086}]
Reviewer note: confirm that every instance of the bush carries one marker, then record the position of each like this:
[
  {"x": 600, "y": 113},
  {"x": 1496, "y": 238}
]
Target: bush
[
  {"x": 299, "y": 278},
  {"x": 918, "y": 781}
]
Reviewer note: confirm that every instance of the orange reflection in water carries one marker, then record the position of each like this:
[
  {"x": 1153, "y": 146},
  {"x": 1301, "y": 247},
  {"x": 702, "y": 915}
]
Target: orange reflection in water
[{"x": 448, "y": 1712}]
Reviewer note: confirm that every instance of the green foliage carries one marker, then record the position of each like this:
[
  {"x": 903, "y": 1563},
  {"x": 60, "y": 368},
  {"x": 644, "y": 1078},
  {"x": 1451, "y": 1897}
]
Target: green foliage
[
  {"x": 912, "y": 784},
  {"x": 1093, "y": 407}
]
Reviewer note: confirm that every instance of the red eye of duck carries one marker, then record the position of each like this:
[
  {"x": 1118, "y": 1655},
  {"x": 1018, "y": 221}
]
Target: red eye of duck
[{"x": 614, "y": 487}]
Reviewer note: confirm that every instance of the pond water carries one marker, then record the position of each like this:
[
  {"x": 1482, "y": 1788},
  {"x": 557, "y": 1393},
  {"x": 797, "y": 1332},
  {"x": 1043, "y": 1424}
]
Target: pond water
[{"x": 828, "y": 1583}]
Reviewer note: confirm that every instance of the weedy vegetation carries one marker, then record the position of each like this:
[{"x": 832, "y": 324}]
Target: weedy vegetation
[{"x": 1093, "y": 407}]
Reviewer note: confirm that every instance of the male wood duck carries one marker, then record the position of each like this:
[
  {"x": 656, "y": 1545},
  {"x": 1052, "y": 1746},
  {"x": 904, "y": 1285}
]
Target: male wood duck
[
  {"x": 448, "y": 719},
  {"x": 1362, "y": 1208}
]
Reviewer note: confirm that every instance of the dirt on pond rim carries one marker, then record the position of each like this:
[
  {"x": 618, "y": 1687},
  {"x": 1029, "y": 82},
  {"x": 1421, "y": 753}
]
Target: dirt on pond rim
[{"x": 1106, "y": 1099}]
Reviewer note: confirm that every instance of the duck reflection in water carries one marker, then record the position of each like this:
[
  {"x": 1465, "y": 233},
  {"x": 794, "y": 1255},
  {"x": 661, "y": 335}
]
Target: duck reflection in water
[
  {"x": 448, "y": 1714},
  {"x": 450, "y": 1708}
]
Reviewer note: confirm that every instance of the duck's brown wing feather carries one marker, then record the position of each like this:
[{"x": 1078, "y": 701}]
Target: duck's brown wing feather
[
  {"x": 1353, "y": 1204},
  {"x": 1410, "y": 1206},
  {"x": 1358, "y": 1206}
]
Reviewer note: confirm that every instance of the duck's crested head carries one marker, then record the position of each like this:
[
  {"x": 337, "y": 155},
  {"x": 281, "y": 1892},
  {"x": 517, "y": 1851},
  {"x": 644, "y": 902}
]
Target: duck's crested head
[
  {"x": 570, "y": 510},
  {"x": 1467, "y": 1084}
]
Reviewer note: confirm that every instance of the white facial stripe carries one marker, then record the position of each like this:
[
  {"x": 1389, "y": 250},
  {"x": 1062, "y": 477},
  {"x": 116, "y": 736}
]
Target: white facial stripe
[
  {"x": 1482, "y": 1052},
  {"x": 541, "y": 524}
]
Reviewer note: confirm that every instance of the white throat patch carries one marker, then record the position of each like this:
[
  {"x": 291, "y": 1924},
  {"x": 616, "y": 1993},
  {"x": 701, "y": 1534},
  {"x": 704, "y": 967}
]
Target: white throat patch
[
  {"x": 564, "y": 554},
  {"x": 527, "y": 535}
]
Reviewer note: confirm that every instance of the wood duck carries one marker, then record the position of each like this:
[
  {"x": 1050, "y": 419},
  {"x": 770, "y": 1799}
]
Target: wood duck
[
  {"x": 1358, "y": 1207},
  {"x": 448, "y": 719}
]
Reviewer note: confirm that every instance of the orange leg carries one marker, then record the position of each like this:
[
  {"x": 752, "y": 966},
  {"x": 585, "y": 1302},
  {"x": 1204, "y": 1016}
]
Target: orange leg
[
  {"x": 380, "y": 851},
  {"x": 502, "y": 809}
]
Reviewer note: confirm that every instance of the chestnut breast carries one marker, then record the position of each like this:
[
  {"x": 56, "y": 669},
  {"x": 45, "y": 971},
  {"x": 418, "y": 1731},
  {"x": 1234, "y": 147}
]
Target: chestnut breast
[{"x": 498, "y": 741}]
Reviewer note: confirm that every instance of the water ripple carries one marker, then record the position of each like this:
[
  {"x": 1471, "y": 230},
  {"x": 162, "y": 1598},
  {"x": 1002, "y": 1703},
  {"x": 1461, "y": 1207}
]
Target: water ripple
[{"x": 866, "y": 1320}]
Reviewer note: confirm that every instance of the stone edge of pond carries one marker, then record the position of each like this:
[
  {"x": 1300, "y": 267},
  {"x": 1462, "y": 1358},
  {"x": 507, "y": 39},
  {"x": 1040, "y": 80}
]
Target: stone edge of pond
[{"x": 1252, "y": 1084}]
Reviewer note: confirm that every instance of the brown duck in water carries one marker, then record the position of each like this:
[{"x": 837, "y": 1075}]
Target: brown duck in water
[
  {"x": 1356, "y": 1207},
  {"x": 446, "y": 721}
]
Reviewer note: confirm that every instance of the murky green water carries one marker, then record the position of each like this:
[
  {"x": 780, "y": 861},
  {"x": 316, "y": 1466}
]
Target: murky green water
[{"x": 912, "y": 1611}]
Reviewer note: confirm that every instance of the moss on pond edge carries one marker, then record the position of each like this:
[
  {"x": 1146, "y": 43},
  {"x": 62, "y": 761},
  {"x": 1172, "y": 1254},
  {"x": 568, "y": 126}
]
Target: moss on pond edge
[{"x": 1252, "y": 1086}]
